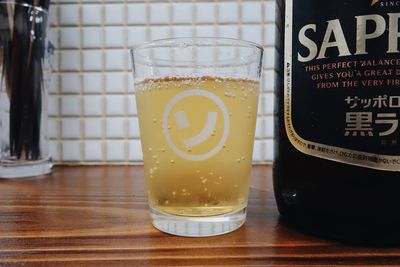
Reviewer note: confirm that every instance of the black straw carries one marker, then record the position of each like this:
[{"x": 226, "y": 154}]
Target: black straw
[{"x": 23, "y": 70}]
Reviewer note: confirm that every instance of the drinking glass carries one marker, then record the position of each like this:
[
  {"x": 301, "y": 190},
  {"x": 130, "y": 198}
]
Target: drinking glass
[
  {"x": 24, "y": 80},
  {"x": 197, "y": 104}
]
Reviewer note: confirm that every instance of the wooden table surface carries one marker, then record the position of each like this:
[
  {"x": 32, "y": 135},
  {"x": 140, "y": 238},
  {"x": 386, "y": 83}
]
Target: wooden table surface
[{"x": 98, "y": 216}]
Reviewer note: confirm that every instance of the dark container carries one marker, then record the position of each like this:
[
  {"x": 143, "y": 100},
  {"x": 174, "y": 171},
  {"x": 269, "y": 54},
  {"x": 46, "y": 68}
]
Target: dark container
[{"x": 337, "y": 138}]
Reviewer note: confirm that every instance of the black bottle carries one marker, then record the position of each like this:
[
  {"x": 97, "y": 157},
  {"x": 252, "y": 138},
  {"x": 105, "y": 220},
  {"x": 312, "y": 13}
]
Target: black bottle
[{"x": 337, "y": 130}]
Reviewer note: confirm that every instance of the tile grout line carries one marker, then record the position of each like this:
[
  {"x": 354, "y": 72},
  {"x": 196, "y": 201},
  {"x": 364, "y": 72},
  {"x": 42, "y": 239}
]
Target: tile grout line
[
  {"x": 148, "y": 15},
  {"x": 81, "y": 119},
  {"x": 104, "y": 148},
  {"x": 216, "y": 17},
  {"x": 263, "y": 118},
  {"x": 240, "y": 18},
  {"x": 127, "y": 129},
  {"x": 194, "y": 30},
  {"x": 163, "y": 24},
  {"x": 59, "y": 127},
  {"x": 66, "y": 2},
  {"x": 194, "y": 20},
  {"x": 171, "y": 28},
  {"x": 170, "y": 18}
]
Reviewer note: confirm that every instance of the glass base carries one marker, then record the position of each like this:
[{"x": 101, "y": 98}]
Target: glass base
[
  {"x": 198, "y": 226},
  {"x": 22, "y": 169}
]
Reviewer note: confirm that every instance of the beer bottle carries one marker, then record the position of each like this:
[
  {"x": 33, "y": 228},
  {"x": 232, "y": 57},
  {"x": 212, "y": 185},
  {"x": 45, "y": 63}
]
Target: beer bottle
[{"x": 337, "y": 130}]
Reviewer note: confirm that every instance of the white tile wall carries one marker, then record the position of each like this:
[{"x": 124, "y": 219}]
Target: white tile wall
[
  {"x": 115, "y": 105},
  {"x": 116, "y": 128},
  {"x": 71, "y": 151},
  {"x": 93, "y": 128},
  {"x": 69, "y": 15},
  {"x": 228, "y": 12},
  {"x": 92, "y": 60},
  {"x": 92, "y": 105},
  {"x": 182, "y": 13},
  {"x": 137, "y": 14},
  {"x": 70, "y": 128},
  {"x": 92, "y": 37},
  {"x": 116, "y": 151},
  {"x": 93, "y": 151},
  {"x": 159, "y": 13},
  {"x": 70, "y": 83},
  {"x": 114, "y": 37},
  {"x": 69, "y": 60},
  {"x": 69, "y": 38},
  {"x": 92, "y": 109},
  {"x": 205, "y": 13},
  {"x": 71, "y": 106},
  {"x": 91, "y": 14},
  {"x": 114, "y": 14},
  {"x": 92, "y": 83}
]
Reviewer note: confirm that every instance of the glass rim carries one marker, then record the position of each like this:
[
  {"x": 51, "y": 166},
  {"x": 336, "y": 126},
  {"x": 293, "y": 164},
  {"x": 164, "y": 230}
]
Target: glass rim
[
  {"x": 194, "y": 41},
  {"x": 38, "y": 8}
]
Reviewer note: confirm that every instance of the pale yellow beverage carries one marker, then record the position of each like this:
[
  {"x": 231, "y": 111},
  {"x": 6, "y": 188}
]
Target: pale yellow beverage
[{"x": 197, "y": 139}]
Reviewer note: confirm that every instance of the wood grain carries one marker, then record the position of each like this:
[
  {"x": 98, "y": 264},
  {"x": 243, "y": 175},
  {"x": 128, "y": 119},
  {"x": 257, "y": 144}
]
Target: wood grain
[{"x": 98, "y": 216}]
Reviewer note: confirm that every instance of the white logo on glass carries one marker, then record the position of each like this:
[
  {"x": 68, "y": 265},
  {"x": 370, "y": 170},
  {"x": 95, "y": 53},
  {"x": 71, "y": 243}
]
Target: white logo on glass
[{"x": 205, "y": 133}]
